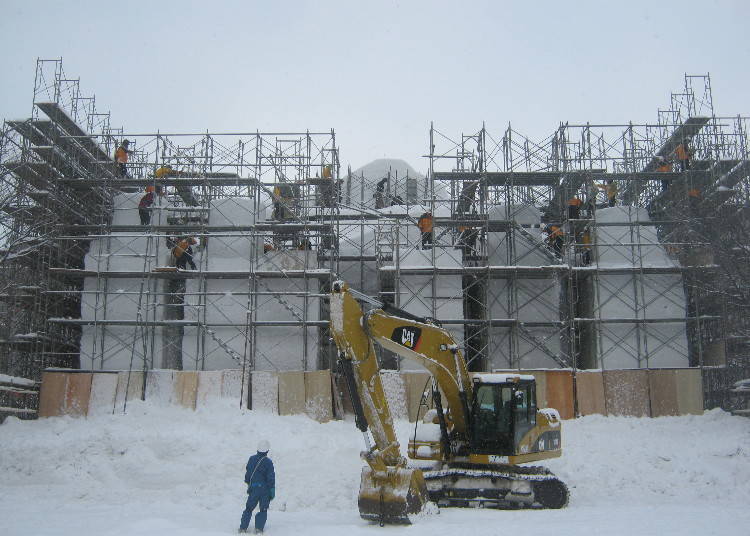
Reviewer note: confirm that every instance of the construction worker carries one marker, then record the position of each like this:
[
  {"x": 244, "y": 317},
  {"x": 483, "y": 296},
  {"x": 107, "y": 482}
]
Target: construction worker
[
  {"x": 683, "y": 153},
  {"x": 260, "y": 478},
  {"x": 165, "y": 171},
  {"x": 555, "y": 236},
  {"x": 121, "y": 157},
  {"x": 144, "y": 206},
  {"x": 586, "y": 241},
  {"x": 663, "y": 166},
  {"x": 425, "y": 226},
  {"x": 611, "y": 189},
  {"x": 467, "y": 239},
  {"x": 574, "y": 208},
  {"x": 183, "y": 253},
  {"x": 380, "y": 193}
]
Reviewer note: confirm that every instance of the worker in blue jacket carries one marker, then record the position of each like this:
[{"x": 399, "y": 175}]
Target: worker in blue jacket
[{"x": 261, "y": 487}]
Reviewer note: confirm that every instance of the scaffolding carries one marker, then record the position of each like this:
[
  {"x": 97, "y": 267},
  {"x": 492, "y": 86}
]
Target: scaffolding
[{"x": 647, "y": 270}]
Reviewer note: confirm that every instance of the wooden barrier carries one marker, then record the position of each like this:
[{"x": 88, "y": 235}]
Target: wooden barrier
[
  {"x": 590, "y": 392},
  {"x": 626, "y": 392},
  {"x": 655, "y": 392}
]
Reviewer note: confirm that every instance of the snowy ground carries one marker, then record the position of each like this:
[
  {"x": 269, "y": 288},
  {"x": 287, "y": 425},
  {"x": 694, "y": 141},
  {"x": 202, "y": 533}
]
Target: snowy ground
[{"x": 171, "y": 471}]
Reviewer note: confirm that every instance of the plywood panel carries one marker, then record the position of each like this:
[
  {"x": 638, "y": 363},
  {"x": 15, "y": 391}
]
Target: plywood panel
[
  {"x": 78, "y": 393},
  {"x": 414, "y": 384},
  {"x": 689, "y": 391},
  {"x": 590, "y": 390},
  {"x": 291, "y": 392},
  {"x": 559, "y": 391},
  {"x": 318, "y": 397},
  {"x": 186, "y": 388},
  {"x": 663, "y": 392},
  {"x": 103, "y": 391},
  {"x": 265, "y": 396},
  {"x": 161, "y": 387},
  {"x": 209, "y": 386},
  {"x": 626, "y": 392},
  {"x": 52, "y": 394},
  {"x": 235, "y": 383},
  {"x": 132, "y": 382}
]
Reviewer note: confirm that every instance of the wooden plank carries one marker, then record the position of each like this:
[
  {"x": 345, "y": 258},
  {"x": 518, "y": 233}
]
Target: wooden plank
[
  {"x": 265, "y": 387},
  {"x": 318, "y": 396},
  {"x": 414, "y": 384},
  {"x": 132, "y": 382},
  {"x": 77, "y": 394},
  {"x": 186, "y": 388},
  {"x": 161, "y": 387},
  {"x": 689, "y": 391},
  {"x": 662, "y": 384},
  {"x": 52, "y": 394},
  {"x": 590, "y": 391},
  {"x": 103, "y": 392},
  {"x": 291, "y": 392},
  {"x": 559, "y": 391},
  {"x": 209, "y": 386},
  {"x": 232, "y": 381},
  {"x": 626, "y": 392}
]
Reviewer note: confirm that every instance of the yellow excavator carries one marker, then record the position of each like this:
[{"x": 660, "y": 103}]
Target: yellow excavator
[{"x": 479, "y": 430}]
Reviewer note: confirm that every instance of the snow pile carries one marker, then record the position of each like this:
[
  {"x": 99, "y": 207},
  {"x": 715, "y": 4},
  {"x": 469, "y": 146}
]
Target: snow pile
[{"x": 164, "y": 470}]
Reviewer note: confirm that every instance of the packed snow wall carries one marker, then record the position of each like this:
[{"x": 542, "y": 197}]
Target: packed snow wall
[
  {"x": 235, "y": 301},
  {"x": 634, "y": 295},
  {"x": 427, "y": 294},
  {"x": 525, "y": 299},
  {"x": 113, "y": 299}
]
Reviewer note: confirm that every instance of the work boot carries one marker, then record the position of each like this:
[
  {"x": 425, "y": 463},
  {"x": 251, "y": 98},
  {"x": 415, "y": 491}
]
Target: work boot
[
  {"x": 258, "y": 531},
  {"x": 241, "y": 531}
]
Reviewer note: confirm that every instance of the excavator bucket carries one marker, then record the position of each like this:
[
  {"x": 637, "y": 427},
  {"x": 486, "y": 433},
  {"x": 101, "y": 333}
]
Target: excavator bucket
[{"x": 391, "y": 498}]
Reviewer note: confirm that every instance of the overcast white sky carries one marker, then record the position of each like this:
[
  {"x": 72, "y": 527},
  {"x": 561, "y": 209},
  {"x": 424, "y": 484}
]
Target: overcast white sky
[{"x": 376, "y": 71}]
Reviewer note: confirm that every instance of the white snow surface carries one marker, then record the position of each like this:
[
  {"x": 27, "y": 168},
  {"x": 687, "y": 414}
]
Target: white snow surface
[{"x": 168, "y": 470}]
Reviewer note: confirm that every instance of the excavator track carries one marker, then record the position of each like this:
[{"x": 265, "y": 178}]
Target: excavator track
[{"x": 496, "y": 486}]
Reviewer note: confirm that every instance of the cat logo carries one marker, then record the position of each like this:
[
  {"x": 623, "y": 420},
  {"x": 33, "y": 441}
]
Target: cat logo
[{"x": 407, "y": 336}]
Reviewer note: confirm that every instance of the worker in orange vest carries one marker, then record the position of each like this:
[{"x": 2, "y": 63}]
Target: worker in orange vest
[
  {"x": 425, "y": 226},
  {"x": 574, "y": 208},
  {"x": 663, "y": 166},
  {"x": 121, "y": 157},
  {"x": 683, "y": 153},
  {"x": 555, "y": 238},
  {"x": 183, "y": 253}
]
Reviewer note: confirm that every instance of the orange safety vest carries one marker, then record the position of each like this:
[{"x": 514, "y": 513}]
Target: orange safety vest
[
  {"x": 556, "y": 231},
  {"x": 121, "y": 155},
  {"x": 425, "y": 224},
  {"x": 182, "y": 246},
  {"x": 575, "y": 202},
  {"x": 666, "y": 167},
  {"x": 694, "y": 192},
  {"x": 681, "y": 152}
]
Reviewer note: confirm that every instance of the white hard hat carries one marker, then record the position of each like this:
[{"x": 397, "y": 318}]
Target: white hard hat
[{"x": 263, "y": 445}]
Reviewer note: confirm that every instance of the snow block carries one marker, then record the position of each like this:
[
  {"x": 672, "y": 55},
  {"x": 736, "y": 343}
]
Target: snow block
[
  {"x": 395, "y": 392},
  {"x": 626, "y": 392},
  {"x": 590, "y": 393},
  {"x": 103, "y": 392},
  {"x": 662, "y": 385},
  {"x": 265, "y": 391},
  {"x": 52, "y": 394},
  {"x": 291, "y": 392},
  {"x": 186, "y": 388},
  {"x": 414, "y": 385},
  {"x": 559, "y": 392},
  {"x": 318, "y": 396},
  {"x": 689, "y": 391}
]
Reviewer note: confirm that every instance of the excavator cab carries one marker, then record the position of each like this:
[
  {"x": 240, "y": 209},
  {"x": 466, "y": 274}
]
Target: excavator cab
[{"x": 501, "y": 415}]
